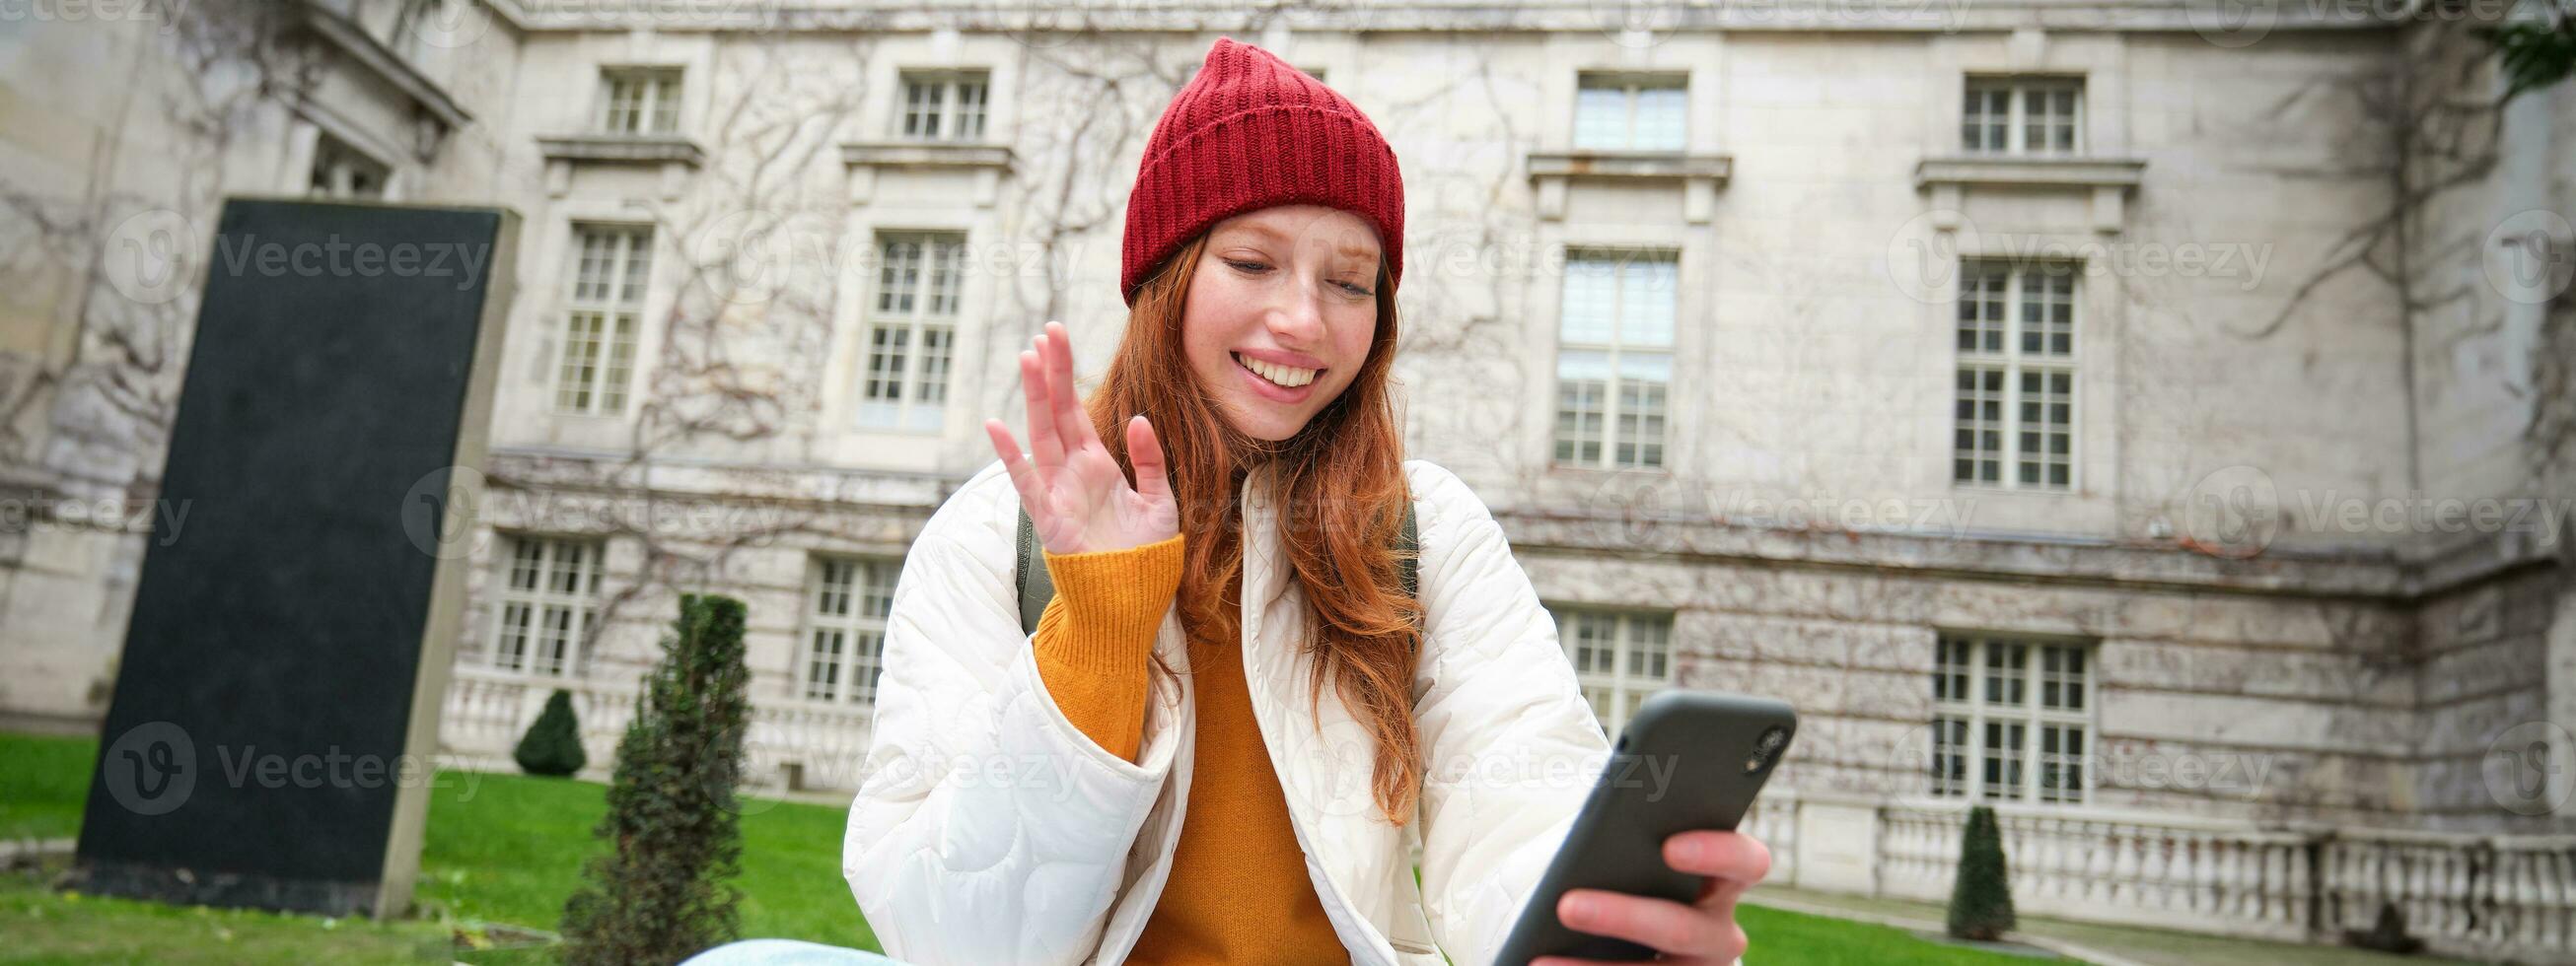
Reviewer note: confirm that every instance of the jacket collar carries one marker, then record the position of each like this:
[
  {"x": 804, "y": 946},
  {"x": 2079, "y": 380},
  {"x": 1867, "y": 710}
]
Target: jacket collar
[{"x": 1264, "y": 578}]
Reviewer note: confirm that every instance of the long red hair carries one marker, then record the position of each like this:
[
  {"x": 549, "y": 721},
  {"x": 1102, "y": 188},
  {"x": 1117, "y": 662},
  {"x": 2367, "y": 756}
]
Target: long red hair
[{"x": 1340, "y": 487}]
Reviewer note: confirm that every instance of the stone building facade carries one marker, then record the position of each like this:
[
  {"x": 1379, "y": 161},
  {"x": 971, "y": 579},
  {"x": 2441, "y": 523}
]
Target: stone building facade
[{"x": 2151, "y": 419}]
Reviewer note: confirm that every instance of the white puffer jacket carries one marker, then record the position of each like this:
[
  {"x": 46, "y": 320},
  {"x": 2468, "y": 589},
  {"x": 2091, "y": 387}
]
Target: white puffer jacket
[{"x": 988, "y": 830}]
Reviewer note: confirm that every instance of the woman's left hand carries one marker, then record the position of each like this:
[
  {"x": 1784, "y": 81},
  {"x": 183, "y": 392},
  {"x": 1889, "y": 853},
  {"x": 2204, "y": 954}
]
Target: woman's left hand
[{"x": 1701, "y": 931}]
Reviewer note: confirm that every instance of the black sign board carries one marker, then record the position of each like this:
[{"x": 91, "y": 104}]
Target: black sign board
[{"x": 271, "y": 737}]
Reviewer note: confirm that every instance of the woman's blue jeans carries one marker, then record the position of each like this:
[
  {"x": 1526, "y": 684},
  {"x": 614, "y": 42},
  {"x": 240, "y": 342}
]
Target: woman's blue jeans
[{"x": 785, "y": 952}]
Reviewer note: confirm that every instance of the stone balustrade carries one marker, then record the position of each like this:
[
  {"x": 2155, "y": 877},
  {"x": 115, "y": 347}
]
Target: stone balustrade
[
  {"x": 2474, "y": 896},
  {"x": 487, "y": 711}
]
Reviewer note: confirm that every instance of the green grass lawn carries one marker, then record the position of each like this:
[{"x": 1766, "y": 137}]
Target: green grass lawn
[
  {"x": 44, "y": 783},
  {"x": 507, "y": 850},
  {"x": 44, "y": 926},
  {"x": 1780, "y": 936}
]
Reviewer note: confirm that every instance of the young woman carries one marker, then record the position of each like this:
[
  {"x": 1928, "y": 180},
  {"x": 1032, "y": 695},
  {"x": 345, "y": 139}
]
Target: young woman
[{"x": 1233, "y": 722}]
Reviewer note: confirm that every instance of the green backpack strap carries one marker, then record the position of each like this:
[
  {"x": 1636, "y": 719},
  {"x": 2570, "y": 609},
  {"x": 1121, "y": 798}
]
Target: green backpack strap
[
  {"x": 1408, "y": 555},
  {"x": 1037, "y": 587}
]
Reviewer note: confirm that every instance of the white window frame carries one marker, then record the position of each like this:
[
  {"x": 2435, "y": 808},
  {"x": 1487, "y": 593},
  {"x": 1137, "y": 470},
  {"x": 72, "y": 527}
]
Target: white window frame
[
  {"x": 2009, "y": 362},
  {"x": 338, "y": 163},
  {"x": 603, "y": 317},
  {"x": 1639, "y": 658},
  {"x": 1624, "y": 112},
  {"x": 1969, "y": 725},
  {"x": 917, "y": 299},
  {"x": 944, "y": 115},
  {"x": 1648, "y": 448},
  {"x": 847, "y": 600},
  {"x": 541, "y": 624},
  {"x": 639, "y": 101},
  {"x": 2018, "y": 92}
]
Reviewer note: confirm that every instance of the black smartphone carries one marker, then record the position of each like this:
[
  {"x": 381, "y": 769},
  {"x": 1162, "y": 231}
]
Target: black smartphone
[{"x": 1687, "y": 760}]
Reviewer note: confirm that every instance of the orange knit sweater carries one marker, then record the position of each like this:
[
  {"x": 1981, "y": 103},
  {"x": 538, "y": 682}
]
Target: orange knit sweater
[{"x": 1239, "y": 892}]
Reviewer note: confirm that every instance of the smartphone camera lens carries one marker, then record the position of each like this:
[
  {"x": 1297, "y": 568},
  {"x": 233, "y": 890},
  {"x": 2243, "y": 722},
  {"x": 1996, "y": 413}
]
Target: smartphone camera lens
[{"x": 1765, "y": 748}]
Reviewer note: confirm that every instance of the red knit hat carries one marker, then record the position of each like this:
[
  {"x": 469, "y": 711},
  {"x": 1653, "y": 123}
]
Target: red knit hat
[{"x": 1247, "y": 133}]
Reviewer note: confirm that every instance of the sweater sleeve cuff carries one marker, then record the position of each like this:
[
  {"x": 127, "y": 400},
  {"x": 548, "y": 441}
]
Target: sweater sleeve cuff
[{"x": 1114, "y": 600}]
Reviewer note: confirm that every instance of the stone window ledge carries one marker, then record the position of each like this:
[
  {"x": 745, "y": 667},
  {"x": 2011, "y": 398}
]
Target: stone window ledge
[
  {"x": 623, "y": 149},
  {"x": 1701, "y": 175},
  {"x": 1949, "y": 177},
  {"x": 677, "y": 156},
  {"x": 989, "y": 163}
]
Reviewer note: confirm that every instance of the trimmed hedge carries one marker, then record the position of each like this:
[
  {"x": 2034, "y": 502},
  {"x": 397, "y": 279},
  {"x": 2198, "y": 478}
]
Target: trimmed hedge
[
  {"x": 1981, "y": 905},
  {"x": 552, "y": 746}
]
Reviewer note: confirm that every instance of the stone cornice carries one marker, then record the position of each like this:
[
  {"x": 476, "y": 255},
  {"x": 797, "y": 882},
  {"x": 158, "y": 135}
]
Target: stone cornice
[
  {"x": 353, "y": 42},
  {"x": 1629, "y": 24},
  {"x": 2397, "y": 576},
  {"x": 2404, "y": 574}
]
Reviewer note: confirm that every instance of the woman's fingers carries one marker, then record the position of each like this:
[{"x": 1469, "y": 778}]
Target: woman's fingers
[
  {"x": 1145, "y": 450},
  {"x": 1063, "y": 505},
  {"x": 1044, "y": 448},
  {"x": 1732, "y": 862},
  {"x": 1718, "y": 853},
  {"x": 1659, "y": 924},
  {"x": 1024, "y": 477},
  {"x": 1072, "y": 427}
]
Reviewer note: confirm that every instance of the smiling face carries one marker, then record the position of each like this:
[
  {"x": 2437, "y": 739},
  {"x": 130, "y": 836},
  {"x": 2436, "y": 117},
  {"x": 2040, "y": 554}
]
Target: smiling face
[{"x": 1281, "y": 312}]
